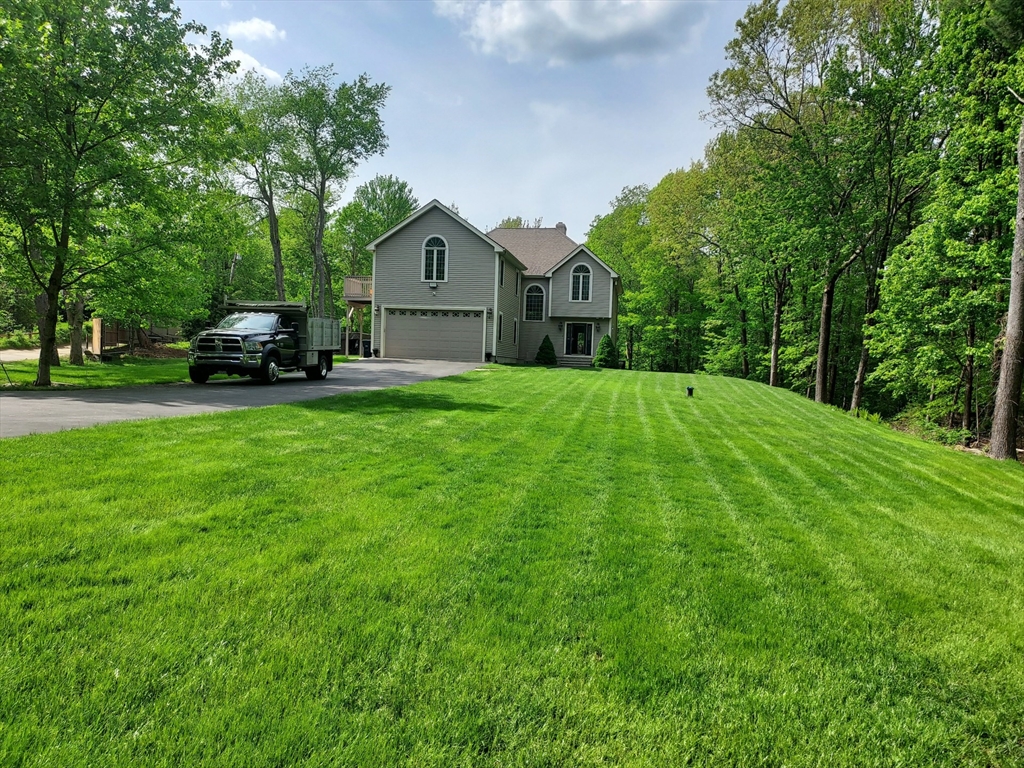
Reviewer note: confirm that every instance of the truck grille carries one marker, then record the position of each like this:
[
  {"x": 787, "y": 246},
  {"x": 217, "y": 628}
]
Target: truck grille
[{"x": 220, "y": 344}]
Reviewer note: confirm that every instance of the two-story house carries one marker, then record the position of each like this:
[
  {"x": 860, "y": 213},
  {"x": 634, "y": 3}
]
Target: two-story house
[{"x": 442, "y": 289}]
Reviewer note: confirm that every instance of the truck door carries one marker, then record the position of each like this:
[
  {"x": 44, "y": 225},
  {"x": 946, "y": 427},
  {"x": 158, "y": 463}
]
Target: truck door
[{"x": 287, "y": 341}]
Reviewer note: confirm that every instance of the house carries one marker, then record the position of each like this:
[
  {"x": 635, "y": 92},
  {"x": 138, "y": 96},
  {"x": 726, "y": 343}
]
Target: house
[{"x": 442, "y": 289}]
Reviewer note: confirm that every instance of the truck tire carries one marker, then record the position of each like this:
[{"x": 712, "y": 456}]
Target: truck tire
[
  {"x": 319, "y": 372},
  {"x": 198, "y": 375},
  {"x": 270, "y": 371}
]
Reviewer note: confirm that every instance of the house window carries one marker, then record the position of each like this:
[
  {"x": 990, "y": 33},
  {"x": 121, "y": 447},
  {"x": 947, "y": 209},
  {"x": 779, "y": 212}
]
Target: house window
[
  {"x": 534, "y": 303},
  {"x": 515, "y": 331},
  {"x": 435, "y": 259},
  {"x": 518, "y": 275},
  {"x": 580, "y": 283},
  {"x": 501, "y": 273},
  {"x": 499, "y": 325}
]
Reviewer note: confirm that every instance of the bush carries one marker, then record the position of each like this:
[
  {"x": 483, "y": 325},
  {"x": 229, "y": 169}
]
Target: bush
[
  {"x": 18, "y": 340},
  {"x": 546, "y": 353},
  {"x": 607, "y": 354}
]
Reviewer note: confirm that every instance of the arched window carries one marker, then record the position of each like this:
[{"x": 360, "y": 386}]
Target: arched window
[
  {"x": 534, "y": 304},
  {"x": 580, "y": 283},
  {"x": 435, "y": 259}
]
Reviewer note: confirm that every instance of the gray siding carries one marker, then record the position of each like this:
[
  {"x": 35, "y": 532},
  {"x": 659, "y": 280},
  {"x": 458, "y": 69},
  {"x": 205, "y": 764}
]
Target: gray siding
[
  {"x": 600, "y": 290},
  {"x": 531, "y": 334},
  {"x": 509, "y": 306},
  {"x": 398, "y": 261}
]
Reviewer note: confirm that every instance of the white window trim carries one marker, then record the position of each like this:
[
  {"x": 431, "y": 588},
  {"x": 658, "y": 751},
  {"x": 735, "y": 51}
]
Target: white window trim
[
  {"x": 447, "y": 260},
  {"x": 590, "y": 284},
  {"x": 543, "y": 303},
  {"x": 565, "y": 338}
]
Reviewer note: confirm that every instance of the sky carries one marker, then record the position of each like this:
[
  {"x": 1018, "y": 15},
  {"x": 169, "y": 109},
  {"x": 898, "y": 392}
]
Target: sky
[{"x": 533, "y": 108}]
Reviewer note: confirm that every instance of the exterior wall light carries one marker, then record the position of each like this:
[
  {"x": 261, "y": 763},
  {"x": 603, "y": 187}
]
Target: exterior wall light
[{"x": 559, "y": 326}]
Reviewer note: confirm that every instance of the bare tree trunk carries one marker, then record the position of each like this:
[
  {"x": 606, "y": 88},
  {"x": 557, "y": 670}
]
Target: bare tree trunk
[
  {"x": 142, "y": 338},
  {"x": 744, "y": 361},
  {"x": 773, "y": 373},
  {"x": 824, "y": 341},
  {"x": 1007, "y": 407},
  {"x": 862, "y": 367},
  {"x": 275, "y": 244},
  {"x": 965, "y": 422},
  {"x": 75, "y": 317},
  {"x": 43, "y": 304}
]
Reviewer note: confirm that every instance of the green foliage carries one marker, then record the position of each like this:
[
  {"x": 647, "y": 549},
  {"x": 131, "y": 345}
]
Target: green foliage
[
  {"x": 627, "y": 577},
  {"x": 546, "y": 353},
  {"x": 607, "y": 353},
  {"x": 519, "y": 222},
  {"x": 376, "y": 206}
]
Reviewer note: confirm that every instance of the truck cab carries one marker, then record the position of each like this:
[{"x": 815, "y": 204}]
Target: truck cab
[{"x": 263, "y": 339}]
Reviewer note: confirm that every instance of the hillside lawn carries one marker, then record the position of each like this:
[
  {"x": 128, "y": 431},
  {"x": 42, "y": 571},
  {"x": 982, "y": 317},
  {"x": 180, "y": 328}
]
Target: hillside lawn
[
  {"x": 517, "y": 566},
  {"x": 127, "y": 372}
]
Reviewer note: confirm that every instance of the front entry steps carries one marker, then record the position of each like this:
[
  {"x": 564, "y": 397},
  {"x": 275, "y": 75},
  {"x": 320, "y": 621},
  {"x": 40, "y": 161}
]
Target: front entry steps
[{"x": 575, "y": 362}]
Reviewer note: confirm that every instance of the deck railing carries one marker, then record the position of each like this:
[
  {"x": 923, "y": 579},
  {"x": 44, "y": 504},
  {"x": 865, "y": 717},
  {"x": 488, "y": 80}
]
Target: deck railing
[{"x": 358, "y": 288}]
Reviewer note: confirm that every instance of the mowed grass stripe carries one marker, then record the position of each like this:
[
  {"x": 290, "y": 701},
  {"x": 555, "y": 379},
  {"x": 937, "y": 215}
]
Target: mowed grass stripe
[{"x": 515, "y": 566}]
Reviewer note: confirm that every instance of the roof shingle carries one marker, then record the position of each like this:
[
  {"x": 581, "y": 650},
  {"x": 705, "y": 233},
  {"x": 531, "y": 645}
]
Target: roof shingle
[{"x": 539, "y": 248}]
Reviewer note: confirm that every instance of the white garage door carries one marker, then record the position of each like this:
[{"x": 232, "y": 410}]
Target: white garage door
[{"x": 431, "y": 334}]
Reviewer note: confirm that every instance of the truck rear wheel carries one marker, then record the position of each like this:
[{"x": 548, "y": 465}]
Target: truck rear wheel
[
  {"x": 270, "y": 371},
  {"x": 198, "y": 375},
  {"x": 319, "y": 372}
]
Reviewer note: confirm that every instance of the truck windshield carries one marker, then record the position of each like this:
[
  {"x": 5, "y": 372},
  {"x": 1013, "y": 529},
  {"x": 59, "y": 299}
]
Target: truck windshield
[{"x": 250, "y": 322}]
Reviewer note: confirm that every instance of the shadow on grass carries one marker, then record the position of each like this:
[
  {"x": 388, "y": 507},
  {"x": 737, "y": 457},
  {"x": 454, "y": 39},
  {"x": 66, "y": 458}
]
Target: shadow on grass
[{"x": 388, "y": 401}]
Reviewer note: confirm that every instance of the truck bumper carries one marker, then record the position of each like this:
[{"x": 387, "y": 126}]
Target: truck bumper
[{"x": 241, "y": 364}]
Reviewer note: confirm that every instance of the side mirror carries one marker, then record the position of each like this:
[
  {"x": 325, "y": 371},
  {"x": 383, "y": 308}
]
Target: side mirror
[{"x": 295, "y": 326}]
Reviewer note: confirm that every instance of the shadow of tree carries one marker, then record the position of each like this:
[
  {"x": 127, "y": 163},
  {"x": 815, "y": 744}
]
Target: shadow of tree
[{"x": 387, "y": 401}]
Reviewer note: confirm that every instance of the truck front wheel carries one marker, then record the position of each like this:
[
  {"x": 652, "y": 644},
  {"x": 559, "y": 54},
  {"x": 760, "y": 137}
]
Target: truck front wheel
[
  {"x": 198, "y": 375},
  {"x": 319, "y": 372},
  {"x": 270, "y": 371}
]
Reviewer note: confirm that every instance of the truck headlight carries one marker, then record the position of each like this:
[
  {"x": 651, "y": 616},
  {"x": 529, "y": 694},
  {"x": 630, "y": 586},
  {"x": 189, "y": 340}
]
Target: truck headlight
[
  {"x": 253, "y": 346},
  {"x": 192, "y": 344}
]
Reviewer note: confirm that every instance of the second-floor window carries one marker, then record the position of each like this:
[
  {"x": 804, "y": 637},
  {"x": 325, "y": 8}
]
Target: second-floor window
[
  {"x": 534, "y": 303},
  {"x": 435, "y": 259},
  {"x": 580, "y": 283}
]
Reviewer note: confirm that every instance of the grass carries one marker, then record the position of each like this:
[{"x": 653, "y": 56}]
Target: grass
[
  {"x": 518, "y": 566},
  {"x": 128, "y": 372}
]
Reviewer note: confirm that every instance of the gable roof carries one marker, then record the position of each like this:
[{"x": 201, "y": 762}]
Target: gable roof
[
  {"x": 539, "y": 248},
  {"x": 435, "y": 204},
  {"x": 578, "y": 250}
]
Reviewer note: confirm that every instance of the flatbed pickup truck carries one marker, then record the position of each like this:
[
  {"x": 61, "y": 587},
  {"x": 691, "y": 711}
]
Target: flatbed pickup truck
[{"x": 261, "y": 339}]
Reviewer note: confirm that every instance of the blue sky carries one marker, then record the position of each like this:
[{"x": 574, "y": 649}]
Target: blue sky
[{"x": 539, "y": 108}]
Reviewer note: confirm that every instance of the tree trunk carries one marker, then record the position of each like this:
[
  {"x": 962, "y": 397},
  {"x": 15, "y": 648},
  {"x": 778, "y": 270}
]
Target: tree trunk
[
  {"x": 48, "y": 326},
  {"x": 143, "y": 339},
  {"x": 275, "y": 244},
  {"x": 773, "y": 374},
  {"x": 1007, "y": 408},
  {"x": 871, "y": 303},
  {"x": 43, "y": 304},
  {"x": 75, "y": 317},
  {"x": 824, "y": 341},
  {"x": 744, "y": 362},
  {"x": 965, "y": 422}
]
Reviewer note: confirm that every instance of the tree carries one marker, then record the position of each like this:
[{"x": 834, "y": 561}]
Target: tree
[
  {"x": 519, "y": 222},
  {"x": 376, "y": 207},
  {"x": 330, "y": 129},
  {"x": 257, "y": 141},
  {"x": 607, "y": 353},
  {"x": 100, "y": 104},
  {"x": 546, "y": 353}
]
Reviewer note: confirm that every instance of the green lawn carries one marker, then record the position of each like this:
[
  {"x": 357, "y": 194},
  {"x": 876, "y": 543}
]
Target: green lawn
[
  {"x": 518, "y": 566},
  {"x": 128, "y": 372}
]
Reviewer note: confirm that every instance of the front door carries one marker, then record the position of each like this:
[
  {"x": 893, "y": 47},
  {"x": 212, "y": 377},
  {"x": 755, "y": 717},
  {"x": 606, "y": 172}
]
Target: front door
[{"x": 578, "y": 338}]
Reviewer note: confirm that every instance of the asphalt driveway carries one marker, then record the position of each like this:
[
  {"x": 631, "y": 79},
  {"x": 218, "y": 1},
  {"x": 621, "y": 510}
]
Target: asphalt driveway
[{"x": 23, "y": 413}]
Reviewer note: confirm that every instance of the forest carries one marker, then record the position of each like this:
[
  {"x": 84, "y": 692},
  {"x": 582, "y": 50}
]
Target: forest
[
  {"x": 144, "y": 180},
  {"x": 848, "y": 233}
]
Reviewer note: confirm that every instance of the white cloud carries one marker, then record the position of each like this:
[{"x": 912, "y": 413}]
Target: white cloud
[
  {"x": 254, "y": 29},
  {"x": 247, "y": 63},
  {"x": 225, "y": 3},
  {"x": 560, "y": 31}
]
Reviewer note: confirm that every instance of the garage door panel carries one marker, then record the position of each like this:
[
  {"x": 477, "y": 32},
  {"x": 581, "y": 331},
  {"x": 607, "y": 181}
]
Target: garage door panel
[{"x": 434, "y": 334}]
